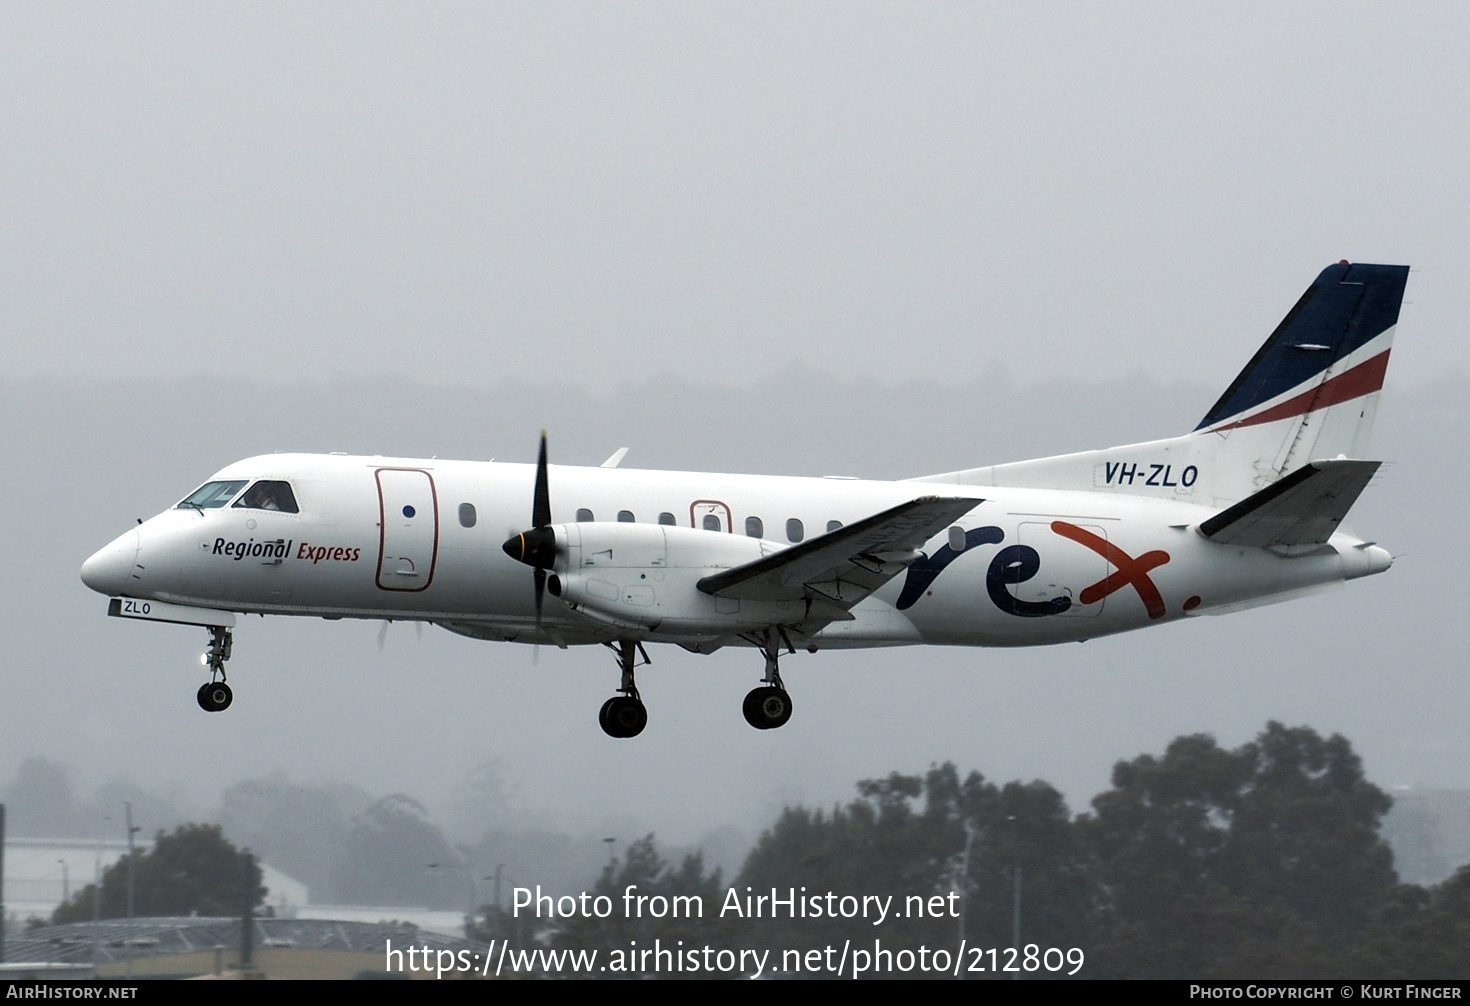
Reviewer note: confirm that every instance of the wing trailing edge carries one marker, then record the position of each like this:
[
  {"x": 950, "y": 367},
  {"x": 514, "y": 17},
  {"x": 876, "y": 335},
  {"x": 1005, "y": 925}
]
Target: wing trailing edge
[{"x": 838, "y": 569}]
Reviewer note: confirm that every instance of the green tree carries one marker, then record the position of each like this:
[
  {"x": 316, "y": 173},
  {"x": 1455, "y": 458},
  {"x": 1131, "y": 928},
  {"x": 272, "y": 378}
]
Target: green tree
[
  {"x": 1421, "y": 933},
  {"x": 1305, "y": 832},
  {"x": 387, "y": 854},
  {"x": 301, "y": 829},
  {"x": 643, "y": 869},
  {"x": 907, "y": 837},
  {"x": 1262, "y": 861},
  {"x": 193, "y": 870}
]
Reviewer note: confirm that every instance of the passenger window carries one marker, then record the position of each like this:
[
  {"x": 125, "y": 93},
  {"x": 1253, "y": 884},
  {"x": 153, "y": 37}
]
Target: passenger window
[
  {"x": 625, "y": 516},
  {"x": 467, "y": 514},
  {"x": 269, "y": 496},
  {"x": 666, "y": 518},
  {"x": 711, "y": 522},
  {"x": 833, "y": 525},
  {"x": 754, "y": 528},
  {"x": 212, "y": 495},
  {"x": 794, "y": 530},
  {"x": 583, "y": 515}
]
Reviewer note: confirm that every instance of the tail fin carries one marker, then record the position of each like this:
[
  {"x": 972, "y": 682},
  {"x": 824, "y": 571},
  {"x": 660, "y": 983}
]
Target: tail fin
[{"x": 1312, "y": 390}]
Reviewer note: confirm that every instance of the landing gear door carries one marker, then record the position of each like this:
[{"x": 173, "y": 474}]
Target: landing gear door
[{"x": 409, "y": 528}]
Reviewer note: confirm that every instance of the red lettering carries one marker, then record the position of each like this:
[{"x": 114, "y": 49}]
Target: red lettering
[{"x": 1129, "y": 570}]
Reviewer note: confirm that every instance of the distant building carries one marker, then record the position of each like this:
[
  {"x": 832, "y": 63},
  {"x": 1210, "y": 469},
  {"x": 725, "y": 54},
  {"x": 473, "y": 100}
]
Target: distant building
[
  {"x": 41, "y": 873},
  {"x": 194, "y": 947}
]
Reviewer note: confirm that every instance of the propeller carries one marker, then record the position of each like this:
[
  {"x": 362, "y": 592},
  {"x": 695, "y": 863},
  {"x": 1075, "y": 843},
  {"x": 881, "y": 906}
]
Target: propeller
[
  {"x": 418, "y": 628},
  {"x": 537, "y": 547}
]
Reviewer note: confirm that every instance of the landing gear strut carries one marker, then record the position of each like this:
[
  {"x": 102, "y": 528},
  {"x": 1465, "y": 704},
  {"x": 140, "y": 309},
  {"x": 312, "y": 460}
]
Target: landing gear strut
[
  {"x": 769, "y": 706},
  {"x": 215, "y": 696},
  {"x": 624, "y": 715}
]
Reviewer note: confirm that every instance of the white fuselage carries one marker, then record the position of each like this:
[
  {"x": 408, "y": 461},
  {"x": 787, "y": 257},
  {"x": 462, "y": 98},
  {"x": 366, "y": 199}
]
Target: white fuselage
[{"x": 1100, "y": 562}]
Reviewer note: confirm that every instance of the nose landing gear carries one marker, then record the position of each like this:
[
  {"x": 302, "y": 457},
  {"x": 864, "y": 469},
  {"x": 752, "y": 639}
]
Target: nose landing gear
[
  {"x": 769, "y": 706},
  {"x": 624, "y": 714},
  {"x": 215, "y": 696}
]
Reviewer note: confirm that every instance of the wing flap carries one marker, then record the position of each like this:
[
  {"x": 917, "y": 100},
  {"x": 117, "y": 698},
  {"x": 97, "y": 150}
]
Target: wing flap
[
  {"x": 1304, "y": 508},
  {"x": 842, "y": 567}
]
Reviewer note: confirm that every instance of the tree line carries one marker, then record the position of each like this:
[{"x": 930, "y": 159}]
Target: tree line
[
  {"x": 1261, "y": 861},
  {"x": 1205, "y": 863}
]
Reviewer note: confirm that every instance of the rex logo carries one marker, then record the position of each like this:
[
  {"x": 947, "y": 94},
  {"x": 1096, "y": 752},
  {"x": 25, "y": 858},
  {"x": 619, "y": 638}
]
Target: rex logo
[{"x": 1018, "y": 563}]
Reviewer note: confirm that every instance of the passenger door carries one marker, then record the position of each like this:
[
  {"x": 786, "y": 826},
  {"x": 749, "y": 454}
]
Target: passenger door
[{"x": 409, "y": 528}]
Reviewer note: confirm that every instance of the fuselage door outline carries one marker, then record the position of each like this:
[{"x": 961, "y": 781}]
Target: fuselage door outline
[
  {"x": 700, "y": 509},
  {"x": 1064, "y": 572},
  {"x": 408, "y": 529}
]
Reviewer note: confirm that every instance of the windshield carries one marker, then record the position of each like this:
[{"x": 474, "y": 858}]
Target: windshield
[
  {"x": 269, "y": 496},
  {"x": 212, "y": 495}
]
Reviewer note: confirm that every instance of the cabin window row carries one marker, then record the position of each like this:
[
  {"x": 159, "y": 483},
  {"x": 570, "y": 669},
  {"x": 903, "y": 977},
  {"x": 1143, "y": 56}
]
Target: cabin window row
[{"x": 754, "y": 526}]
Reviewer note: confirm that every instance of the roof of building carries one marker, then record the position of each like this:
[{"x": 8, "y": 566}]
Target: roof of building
[{"x": 149, "y": 937}]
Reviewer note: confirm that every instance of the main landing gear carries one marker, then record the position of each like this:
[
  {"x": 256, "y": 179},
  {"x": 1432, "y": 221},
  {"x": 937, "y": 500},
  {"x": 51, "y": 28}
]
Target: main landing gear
[
  {"x": 624, "y": 715},
  {"x": 215, "y": 696},
  {"x": 769, "y": 706}
]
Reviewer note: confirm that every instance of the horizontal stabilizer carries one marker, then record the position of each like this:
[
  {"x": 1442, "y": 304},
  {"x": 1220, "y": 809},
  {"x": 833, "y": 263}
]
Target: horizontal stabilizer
[
  {"x": 843, "y": 566},
  {"x": 1304, "y": 508}
]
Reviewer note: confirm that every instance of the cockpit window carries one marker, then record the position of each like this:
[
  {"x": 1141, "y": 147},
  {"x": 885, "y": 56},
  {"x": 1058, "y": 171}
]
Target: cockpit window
[
  {"x": 269, "y": 496},
  {"x": 211, "y": 495}
]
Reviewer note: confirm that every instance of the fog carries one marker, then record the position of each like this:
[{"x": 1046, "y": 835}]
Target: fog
[
  {"x": 1377, "y": 661},
  {"x": 862, "y": 239}
]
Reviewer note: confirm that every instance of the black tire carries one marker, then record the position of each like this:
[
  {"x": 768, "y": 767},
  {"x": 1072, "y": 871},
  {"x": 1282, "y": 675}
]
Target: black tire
[
  {"x": 623, "y": 716},
  {"x": 215, "y": 697},
  {"x": 767, "y": 708},
  {"x": 751, "y": 707}
]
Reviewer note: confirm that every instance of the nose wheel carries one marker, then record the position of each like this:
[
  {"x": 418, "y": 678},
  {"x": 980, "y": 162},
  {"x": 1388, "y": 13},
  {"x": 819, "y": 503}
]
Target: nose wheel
[
  {"x": 214, "y": 695},
  {"x": 624, "y": 715}
]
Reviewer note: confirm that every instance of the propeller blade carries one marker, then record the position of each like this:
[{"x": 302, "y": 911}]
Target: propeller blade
[
  {"x": 541, "y": 501},
  {"x": 537, "y": 546},
  {"x": 540, "y": 575}
]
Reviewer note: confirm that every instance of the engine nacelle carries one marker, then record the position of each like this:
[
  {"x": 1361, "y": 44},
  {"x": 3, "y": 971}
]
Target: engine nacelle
[{"x": 644, "y": 577}]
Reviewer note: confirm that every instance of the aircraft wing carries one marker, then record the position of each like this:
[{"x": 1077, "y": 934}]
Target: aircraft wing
[
  {"x": 1304, "y": 508},
  {"x": 836, "y": 570}
]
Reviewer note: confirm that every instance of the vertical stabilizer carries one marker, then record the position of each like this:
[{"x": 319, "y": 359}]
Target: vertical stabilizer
[
  {"x": 1310, "y": 393},
  {"x": 1312, "y": 390}
]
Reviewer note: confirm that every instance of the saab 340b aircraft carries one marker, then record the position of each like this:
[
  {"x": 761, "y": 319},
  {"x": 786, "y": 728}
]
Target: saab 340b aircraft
[{"x": 1247, "y": 509}]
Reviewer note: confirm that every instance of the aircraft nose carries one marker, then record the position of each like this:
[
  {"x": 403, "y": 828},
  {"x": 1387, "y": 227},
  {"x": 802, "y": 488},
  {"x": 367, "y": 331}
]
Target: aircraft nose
[{"x": 110, "y": 568}]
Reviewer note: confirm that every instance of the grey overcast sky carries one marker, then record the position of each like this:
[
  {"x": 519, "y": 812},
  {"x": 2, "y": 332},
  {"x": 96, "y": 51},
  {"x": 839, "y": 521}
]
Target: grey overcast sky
[
  {"x": 874, "y": 239},
  {"x": 594, "y": 193},
  {"x": 1382, "y": 661}
]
